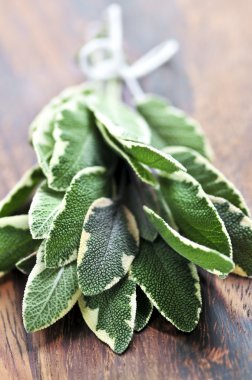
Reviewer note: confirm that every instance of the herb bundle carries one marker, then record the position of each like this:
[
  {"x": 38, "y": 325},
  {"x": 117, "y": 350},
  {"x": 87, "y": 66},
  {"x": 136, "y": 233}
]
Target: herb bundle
[{"x": 124, "y": 205}]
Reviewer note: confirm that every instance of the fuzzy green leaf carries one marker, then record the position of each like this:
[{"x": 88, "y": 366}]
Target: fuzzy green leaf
[
  {"x": 19, "y": 196},
  {"x": 207, "y": 258},
  {"x": 194, "y": 213},
  {"x": 170, "y": 282},
  {"x": 171, "y": 126},
  {"x": 212, "y": 180},
  {"x": 26, "y": 264},
  {"x": 42, "y": 136},
  {"x": 49, "y": 295},
  {"x": 42, "y": 128},
  {"x": 151, "y": 157},
  {"x": 111, "y": 314},
  {"x": 136, "y": 196},
  {"x": 45, "y": 205},
  {"x": 144, "y": 310},
  {"x": 120, "y": 121},
  {"x": 78, "y": 144},
  {"x": 239, "y": 227},
  {"x": 64, "y": 237},
  {"x": 109, "y": 244},
  {"x": 15, "y": 241},
  {"x": 142, "y": 171}
]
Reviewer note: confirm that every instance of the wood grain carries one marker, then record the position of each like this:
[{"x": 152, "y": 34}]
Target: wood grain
[{"x": 210, "y": 78}]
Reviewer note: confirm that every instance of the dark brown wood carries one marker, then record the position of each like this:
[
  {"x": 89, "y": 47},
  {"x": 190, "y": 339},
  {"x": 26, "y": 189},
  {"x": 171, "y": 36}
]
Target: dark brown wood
[{"x": 210, "y": 78}]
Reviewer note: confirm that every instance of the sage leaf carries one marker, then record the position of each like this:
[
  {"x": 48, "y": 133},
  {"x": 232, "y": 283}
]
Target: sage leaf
[
  {"x": 49, "y": 295},
  {"x": 239, "y": 227},
  {"x": 77, "y": 144},
  {"x": 142, "y": 171},
  {"x": 144, "y": 310},
  {"x": 136, "y": 196},
  {"x": 111, "y": 314},
  {"x": 42, "y": 136},
  {"x": 171, "y": 126},
  {"x": 42, "y": 128},
  {"x": 19, "y": 196},
  {"x": 212, "y": 180},
  {"x": 207, "y": 258},
  {"x": 26, "y": 264},
  {"x": 109, "y": 244},
  {"x": 194, "y": 213},
  {"x": 120, "y": 121},
  {"x": 151, "y": 157},
  {"x": 15, "y": 241},
  {"x": 65, "y": 233},
  {"x": 170, "y": 282},
  {"x": 45, "y": 205}
]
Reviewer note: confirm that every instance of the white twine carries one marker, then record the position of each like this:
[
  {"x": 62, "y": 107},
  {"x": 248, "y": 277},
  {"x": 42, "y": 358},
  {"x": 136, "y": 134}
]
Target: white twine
[{"x": 112, "y": 64}]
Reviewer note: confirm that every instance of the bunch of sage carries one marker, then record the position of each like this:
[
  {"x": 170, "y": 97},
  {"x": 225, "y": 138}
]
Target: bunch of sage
[
  {"x": 127, "y": 205},
  {"x": 121, "y": 209}
]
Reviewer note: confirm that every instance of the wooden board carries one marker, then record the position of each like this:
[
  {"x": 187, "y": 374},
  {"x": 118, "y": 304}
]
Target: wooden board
[{"x": 211, "y": 79}]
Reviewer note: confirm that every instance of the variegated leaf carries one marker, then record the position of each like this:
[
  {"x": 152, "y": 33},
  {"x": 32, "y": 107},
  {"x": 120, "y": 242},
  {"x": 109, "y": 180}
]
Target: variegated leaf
[
  {"x": 119, "y": 120},
  {"x": 207, "y": 258},
  {"x": 19, "y": 196},
  {"x": 42, "y": 128},
  {"x": 15, "y": 241},
  {"x": 144, "y": 310},
  {"x": 212, "y": 180},
  {"x": 170, "y": 282},
  {"x": 171, "y": 126},
  {"x": 142, "y": 171},
  {"x": 109, "y": 244},
  {"x": 45, "y": 205},
  {"x": 151, "y": 157},
  {"x": 65, "y": 233},
  {"x": 111, "y": 314},
  {"x": 42, "y": 136},
  {"x": 194, "y": 213},
  {"x": 239, "y": 227},
  {"x": 49, "y": 295},
  {"x": 78, "y": 144}
]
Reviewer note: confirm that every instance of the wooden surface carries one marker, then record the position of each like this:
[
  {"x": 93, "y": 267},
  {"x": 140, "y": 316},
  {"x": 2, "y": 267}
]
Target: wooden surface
[{"x": 210, "y": 78}]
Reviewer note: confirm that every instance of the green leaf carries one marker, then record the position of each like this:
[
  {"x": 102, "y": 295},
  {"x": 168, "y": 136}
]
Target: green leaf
[
  {"x": 45, "y": 205},
  {"x": 15, "y": 241},
  {"x": 26, "y": 264},
  {"x": 19, "y": 196},
  {"x": 78, "y": 144},
  {"x": 143, "y": 172},
  {"x": 65, "y": 233},
  {"x": 212, "y": 180},
  {"x": 42, "y": 128},
  {"x": 170, "y": 282},
  {"x": 207, "y": 258},
  {"x": 151, "y": 157},
  {"x": 239, "y": 227},
  {"x": 171, "y": 126},
  {"x": 111, "y": 314},
  {"x": 109, "y": 244},
  {"x": 194, "y": 213},
  {"x": 42, "y": 136},
  {"x": 144, "y": 310},
  {"x": 136, "y": 196},
  {"x": 49, "y": 295},
  {"x": 120, "y": 121}
]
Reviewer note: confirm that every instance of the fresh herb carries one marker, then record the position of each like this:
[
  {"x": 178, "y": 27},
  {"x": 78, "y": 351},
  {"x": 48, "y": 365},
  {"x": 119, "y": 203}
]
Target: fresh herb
[{"x": 123, "y": 206}]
